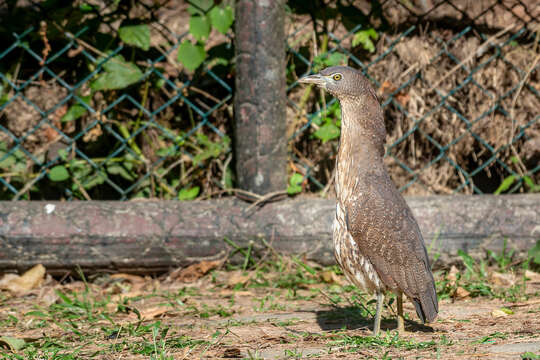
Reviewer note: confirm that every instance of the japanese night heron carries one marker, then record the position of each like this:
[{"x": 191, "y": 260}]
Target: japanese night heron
[{"x": 377, "y": 241}]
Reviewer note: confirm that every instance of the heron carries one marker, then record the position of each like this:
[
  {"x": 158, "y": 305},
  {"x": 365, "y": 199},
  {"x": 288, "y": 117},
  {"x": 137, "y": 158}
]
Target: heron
[{"x": 377, "y": 241}]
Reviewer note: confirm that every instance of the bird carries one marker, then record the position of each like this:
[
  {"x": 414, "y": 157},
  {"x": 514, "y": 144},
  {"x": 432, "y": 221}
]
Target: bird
[{"x": 377, "y": 241}]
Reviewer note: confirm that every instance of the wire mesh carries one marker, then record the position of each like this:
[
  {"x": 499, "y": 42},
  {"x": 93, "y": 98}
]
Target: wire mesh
[
  {"x": 458, "y": 82},
  {"x": 86, "y": 112},
  {"x": 99, "y": 106}
]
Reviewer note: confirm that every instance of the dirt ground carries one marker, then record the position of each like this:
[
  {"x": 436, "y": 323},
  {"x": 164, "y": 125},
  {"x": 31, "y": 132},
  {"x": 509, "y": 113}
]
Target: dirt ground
[{"x": 282, "y": 309}]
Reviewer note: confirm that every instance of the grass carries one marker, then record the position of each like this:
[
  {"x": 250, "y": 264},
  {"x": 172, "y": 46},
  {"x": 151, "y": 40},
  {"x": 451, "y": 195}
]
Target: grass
[
  {"x": 388, "y": 339},
  {"x": 87, "y": 320}
]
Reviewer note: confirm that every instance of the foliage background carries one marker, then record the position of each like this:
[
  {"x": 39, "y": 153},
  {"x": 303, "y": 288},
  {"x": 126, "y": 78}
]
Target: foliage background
[{"x": 123, "y": 99}]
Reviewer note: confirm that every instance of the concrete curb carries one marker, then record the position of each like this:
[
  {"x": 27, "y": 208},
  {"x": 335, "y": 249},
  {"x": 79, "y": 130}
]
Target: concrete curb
[{"x": 155, "y": 236}]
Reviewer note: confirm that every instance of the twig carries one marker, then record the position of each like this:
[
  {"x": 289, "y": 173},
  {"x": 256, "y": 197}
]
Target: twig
[
  {"x": 81, "y": 188},
  {"x": 46, "y": 46},
  {"x": 471, "y": 55},
  {"x": 26, "y": 187},
  {"x": 239, "y": 191},
  {"x": 214, "y": 343},
  {"x": 512, "y": 113},
  {"x": 265, "y": 198},
  {"x": 333, "y": 304}
]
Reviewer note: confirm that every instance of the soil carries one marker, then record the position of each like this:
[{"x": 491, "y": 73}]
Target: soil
[{"x": 208, "y": 319}]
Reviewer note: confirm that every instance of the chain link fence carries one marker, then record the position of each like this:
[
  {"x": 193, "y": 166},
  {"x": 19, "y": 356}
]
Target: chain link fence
[
  {"x": 458, "y": 81},
  {"x": 122, "y": 100},
  {"x": 98, "y": 100}
]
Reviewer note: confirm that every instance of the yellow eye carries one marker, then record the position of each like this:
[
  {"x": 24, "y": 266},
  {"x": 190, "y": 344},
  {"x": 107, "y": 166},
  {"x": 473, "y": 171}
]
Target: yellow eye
[{"x": 336, "y": 77}]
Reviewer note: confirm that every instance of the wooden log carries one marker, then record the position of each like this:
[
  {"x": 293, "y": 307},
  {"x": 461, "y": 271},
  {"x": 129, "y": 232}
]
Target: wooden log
[
  {"x": 155, "y": 236},
  {"x": 260, "y": 137}
]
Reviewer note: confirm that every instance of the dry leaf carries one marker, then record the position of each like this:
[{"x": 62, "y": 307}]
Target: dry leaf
[
  {"x": 331, "y": 277},
  {"x": 93, "y": 134},
  {"x": 532, "y": 276},
  {"x": 497, "y": 313},
  {"x": 48, "y": 296},
  {"x": 452, "y": 275},
  {"x": 232, "y": 353},
  {"x": 229, "y": 293},
  {"x": 388, "y": 88},
  {"x": 118, "y": 297},
  {"x": 461, "y": 293},
  {"x": 151, "y": 313},
  {"x": 20, "y": 285},
  {"x": 12, "y": 343},
  {"x": 195, "y": 271},
  {"x": 237, "y": 277},
  {"x": 500, "y": 279},
  {"x": 50, "y": 134},
  {"x": 402, "y": 98},
  {"x": 128, "y": 277}
]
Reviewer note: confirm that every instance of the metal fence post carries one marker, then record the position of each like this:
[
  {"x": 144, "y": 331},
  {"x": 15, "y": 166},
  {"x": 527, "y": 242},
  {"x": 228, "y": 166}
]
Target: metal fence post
[{"x": 260, "y": 99}]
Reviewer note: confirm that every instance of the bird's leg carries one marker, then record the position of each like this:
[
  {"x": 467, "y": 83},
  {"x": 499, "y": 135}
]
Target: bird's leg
[
  {"x": 377, "y": 325},
  {"x": 400, "y": 320}
]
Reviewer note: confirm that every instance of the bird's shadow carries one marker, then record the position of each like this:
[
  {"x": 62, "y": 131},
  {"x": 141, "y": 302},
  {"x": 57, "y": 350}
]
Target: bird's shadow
[{"x": 351, "y": 318}]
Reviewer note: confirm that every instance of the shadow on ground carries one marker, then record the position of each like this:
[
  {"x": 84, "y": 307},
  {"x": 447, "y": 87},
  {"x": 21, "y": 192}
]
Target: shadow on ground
[{"x": 350, "y": 318}]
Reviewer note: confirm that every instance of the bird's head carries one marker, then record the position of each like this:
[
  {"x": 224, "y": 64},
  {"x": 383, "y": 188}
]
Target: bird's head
[
  {"x": 340, "y": 81},
  {"x": 357, "y": 99}
]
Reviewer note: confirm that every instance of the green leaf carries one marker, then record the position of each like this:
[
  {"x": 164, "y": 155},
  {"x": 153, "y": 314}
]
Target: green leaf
[
  {"x": 7, "y": 162},
  {"x": 190, "y": 55},
  {"x": 64, "y": 297},
  {"x": 530, "y": 183},
  {"x": 119, "y": 169},
  {"x": 93, "y": 180},
  {"x": 199, "y": 27},
  {"x": 76, "y": 110},
  {"x": 63, "y": 153},
  {"x": 209, "y": 149},
  {"x": 335, "y": 59},
  {"x": 326, "y": 59},
  {"x": 188, "y": 194},
  {"x": 534, "y": 253},
  {"x": 228, "y": 178},
  {"x": 118, "y": 74},
  {"x": 13, "y": 343},
  {"x": 222, "y": 18},
  {"x": 36, "y": 313},
  {"x": 136, "y": 35},
  {"x": 199, "y": 7},
  {"x": 327, "y": 132},
  {"x": 87, "y": 7},
  {"x": 58, "y": 173},
  {"x": 505, "y": 185},
  {"x": 73, "y": 113},
  {"x": 364, "y": 37},
  {"x": 168, "y": 151},
  {"x": 295, "y": 184}
]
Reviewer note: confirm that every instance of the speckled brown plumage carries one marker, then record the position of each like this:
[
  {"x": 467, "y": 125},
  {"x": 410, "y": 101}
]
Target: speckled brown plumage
[{"x": 377, "y": 241}]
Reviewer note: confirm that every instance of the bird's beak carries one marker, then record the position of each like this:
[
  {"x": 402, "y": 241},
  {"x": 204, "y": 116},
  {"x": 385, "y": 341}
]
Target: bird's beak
[{"x": 316, "y": 79}]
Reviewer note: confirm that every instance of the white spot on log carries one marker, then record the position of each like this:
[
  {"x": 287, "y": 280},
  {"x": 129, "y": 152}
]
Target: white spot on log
[
  {"x": 259, "y": 179},
  {"x": 49, "y": 208}
]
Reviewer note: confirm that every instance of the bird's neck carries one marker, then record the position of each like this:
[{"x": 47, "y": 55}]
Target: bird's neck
[
  {"x": 362, "y": 132},
  {"x": 361, "y": 145}
]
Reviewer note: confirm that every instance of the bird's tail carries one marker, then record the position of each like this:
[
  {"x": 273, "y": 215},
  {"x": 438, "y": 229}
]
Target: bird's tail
[{"x": 427, "y": 306}]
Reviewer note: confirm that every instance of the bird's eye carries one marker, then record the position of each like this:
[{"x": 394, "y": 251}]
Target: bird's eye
[{"x": 336, "y": 77}]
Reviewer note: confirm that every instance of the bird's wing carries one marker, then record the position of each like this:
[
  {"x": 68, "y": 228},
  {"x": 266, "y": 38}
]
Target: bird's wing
[{"x": 386, "y": 232}]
